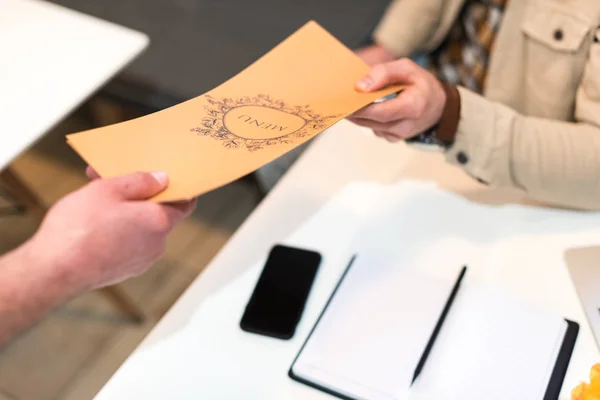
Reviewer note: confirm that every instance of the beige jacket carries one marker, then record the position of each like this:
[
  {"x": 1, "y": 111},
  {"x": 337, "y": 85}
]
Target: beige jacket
[{"x": 538, "y": 127}]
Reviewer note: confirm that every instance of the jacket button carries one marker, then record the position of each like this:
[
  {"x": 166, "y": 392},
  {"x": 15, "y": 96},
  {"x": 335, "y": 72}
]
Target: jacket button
[
  {"x": 462, "y": 158},
  {"x": 558, "y": 34}
]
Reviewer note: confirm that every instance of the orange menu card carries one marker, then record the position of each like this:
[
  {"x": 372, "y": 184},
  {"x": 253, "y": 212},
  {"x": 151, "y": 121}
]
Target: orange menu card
[{"x": 298, "y": 89}]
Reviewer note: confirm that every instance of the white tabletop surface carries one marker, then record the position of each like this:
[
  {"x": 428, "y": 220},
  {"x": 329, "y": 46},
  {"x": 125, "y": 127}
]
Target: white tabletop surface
[
  {"x": 51, "y": 60},
  {"x": 343, "y": 155}
]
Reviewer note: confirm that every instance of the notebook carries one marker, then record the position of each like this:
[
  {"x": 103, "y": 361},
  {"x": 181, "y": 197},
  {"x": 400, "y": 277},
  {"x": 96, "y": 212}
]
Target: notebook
[{"x": 373, "y": 332}]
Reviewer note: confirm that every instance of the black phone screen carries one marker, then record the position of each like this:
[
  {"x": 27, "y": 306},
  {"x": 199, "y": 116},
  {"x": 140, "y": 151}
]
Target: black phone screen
[{"x": 278, "y": 300}]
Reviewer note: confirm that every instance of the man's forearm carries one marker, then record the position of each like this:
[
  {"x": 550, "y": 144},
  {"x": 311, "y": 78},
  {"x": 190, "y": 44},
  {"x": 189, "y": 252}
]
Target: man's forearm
[
  {"x": 553, "y": 161},
  {"x": 29, "y": 289}
]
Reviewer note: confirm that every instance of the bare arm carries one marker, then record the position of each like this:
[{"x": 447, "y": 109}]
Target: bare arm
[
  {"x": 97, "y": 236},
  {"x": 29, "y": 289}
]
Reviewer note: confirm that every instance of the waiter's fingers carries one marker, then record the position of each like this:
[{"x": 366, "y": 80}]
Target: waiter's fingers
[{"x": 91, "y": 173}]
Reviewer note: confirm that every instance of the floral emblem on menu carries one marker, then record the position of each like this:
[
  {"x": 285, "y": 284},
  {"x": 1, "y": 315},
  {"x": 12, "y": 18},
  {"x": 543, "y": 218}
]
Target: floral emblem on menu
[{"x": 256, "y": 122}]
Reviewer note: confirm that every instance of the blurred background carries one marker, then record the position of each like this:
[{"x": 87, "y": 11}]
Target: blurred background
[
  {"x": 194, "y": 46},
  {"x": 197, "y": 44}
]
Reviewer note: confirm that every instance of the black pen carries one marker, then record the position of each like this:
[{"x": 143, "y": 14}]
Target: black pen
[{"x": 439, "y": 324}]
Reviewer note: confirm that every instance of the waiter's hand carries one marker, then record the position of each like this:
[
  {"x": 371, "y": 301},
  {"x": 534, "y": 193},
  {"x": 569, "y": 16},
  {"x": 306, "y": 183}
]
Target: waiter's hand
[
  {"x": 416, "y": 109},
  {"x": 106, "y": 231}
]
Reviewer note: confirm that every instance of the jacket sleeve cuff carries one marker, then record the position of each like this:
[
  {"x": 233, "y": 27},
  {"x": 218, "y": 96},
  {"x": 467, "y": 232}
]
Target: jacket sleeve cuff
[
  {"x": 448, "y": 123},
  {"x": 482, "y": 141}
]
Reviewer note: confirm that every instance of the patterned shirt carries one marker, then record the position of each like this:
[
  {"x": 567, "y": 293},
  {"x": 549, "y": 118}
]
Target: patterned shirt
[{"x": 463, "y": 58}]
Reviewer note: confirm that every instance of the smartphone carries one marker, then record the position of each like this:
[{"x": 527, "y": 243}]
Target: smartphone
[{"x": 278, "y": 300}]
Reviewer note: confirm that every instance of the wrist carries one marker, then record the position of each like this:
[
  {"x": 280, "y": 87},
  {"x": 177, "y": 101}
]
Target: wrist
[
  {"x": 29, "y": 289},
  {"x": 46, "y": 271},
  {"x": 440, "y": 135}
]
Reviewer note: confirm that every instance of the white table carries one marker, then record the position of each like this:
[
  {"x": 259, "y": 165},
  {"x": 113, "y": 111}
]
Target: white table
[
  {"x": 345, "y": 154},
  {"x": 51, "y": 60}
]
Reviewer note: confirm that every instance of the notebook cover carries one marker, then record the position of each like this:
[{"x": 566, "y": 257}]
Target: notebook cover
[
  {"x": 562, "y": 362},
  {"x": 554, "y": 386}
]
